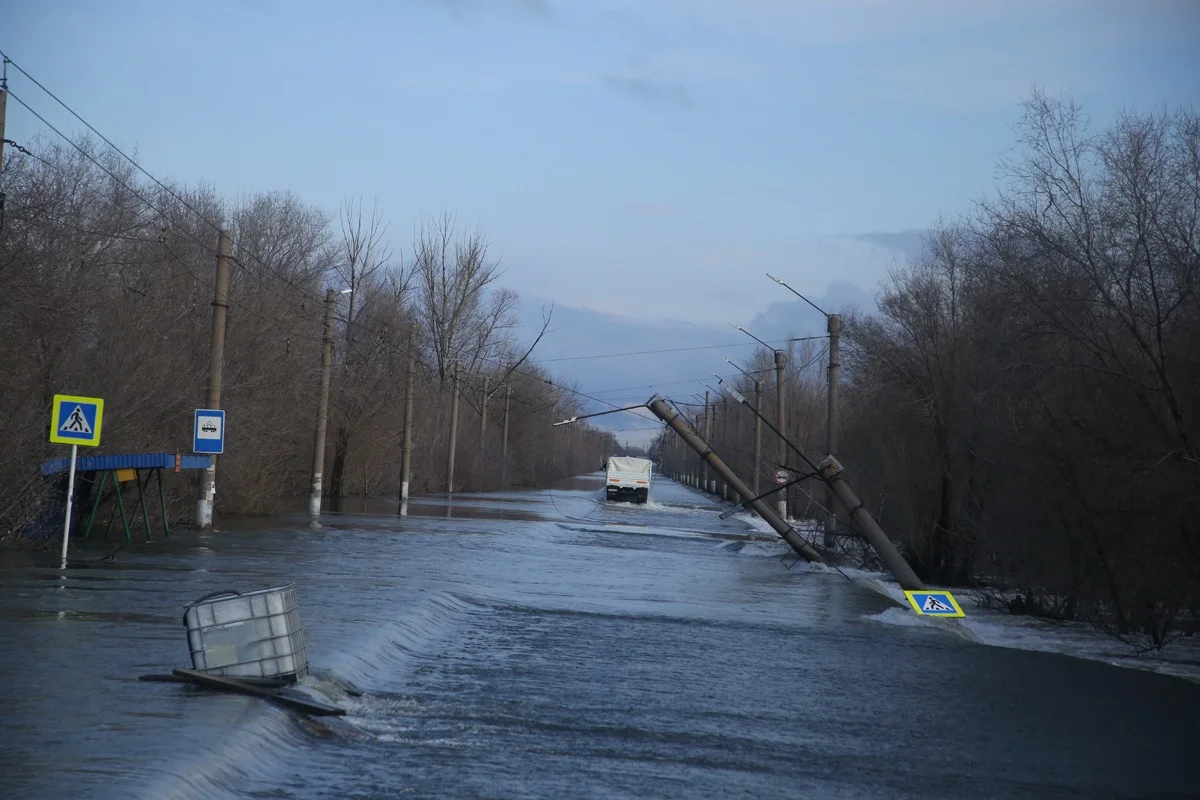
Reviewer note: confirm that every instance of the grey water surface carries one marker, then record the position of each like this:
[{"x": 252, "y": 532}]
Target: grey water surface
[{"x": 546, "y": 644}]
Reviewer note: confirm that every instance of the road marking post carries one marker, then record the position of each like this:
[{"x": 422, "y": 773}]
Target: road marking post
[{"x": 74, "y": 421}]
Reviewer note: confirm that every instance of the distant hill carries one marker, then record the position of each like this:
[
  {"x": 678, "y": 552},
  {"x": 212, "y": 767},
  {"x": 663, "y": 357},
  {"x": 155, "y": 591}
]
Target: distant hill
[{"x": 575, "y": 350}]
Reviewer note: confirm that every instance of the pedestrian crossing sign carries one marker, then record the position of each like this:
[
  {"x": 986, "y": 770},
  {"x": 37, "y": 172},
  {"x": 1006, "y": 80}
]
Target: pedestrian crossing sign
[
  {"x": 76, "y": 420},
  {"x": 937, "y": 603}
]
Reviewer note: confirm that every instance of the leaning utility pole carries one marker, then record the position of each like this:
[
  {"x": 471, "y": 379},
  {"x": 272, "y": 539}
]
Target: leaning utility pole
[
  {"x": 483, "y": 412},
  {"x": 663, "y": 411},
  {"x": 406, "y": 458},
  {"x": 318, "y": 462},
  {"x": 781, "y": 419},
  {"x": 453, "y": 433},
  {"x": 831, "y": 443},
  {"x": 220, "y": 304}
]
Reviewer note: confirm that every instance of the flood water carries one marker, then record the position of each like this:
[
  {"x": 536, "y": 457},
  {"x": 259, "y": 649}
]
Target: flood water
[{"x": 546, "y": 644}]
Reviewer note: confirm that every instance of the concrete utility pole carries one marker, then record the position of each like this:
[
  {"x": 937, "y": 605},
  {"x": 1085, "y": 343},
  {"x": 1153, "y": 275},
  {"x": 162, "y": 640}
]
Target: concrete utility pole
[
  {"x": 663, "y": 411},
  {"x": 831, "y": 471},
  {"x": 3, "y": 107},
  {"x": 721, "y": 433},
  {"x": 831, "y": 435},
  {"x": 220, "y": 304},
  {"x": 483, "y": 412},
  {"x": 318, "y": 462},
  {"x": 453, "y": 433},
  {"x": 781, "y": 422},
  {"x": 756, "y": 410},
  {"x": 757, "y": 436},
  {"x": 710, "y": 484},
  {"x": 406, "y": 458},
  {"x": 507, "y": 402}
]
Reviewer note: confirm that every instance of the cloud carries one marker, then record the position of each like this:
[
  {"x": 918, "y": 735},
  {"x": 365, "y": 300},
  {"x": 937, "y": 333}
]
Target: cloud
[
  {"x": 910, "y": 243},
  {"x": 658, "y": 93}
]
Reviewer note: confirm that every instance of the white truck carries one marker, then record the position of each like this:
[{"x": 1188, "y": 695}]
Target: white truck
[{"x": 628, "y": 478}]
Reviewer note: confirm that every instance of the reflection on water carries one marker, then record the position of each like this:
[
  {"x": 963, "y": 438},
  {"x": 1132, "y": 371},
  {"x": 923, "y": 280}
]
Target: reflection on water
[{"x": 549, "y": 644}]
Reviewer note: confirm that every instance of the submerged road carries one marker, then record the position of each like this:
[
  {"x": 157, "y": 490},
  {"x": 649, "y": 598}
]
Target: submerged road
[{"x": 544, "y": 644}]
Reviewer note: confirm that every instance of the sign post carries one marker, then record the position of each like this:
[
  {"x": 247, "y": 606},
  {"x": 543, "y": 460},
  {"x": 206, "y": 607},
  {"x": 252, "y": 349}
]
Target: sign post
[{"x": 74, "y": 421}]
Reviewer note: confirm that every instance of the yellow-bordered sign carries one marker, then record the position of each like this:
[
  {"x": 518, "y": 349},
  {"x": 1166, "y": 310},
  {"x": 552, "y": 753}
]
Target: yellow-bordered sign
[
  {"x": 934, "y": 603},
  {"x": 76, "y": 420}
]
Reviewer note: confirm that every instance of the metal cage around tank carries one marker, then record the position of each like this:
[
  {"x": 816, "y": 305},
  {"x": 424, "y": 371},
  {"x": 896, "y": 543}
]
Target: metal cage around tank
[{"x": 256, "y": 635}]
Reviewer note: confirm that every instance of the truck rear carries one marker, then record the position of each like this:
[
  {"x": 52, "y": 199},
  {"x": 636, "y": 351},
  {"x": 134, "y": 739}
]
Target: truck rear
[{"x": 628, "y": 478}]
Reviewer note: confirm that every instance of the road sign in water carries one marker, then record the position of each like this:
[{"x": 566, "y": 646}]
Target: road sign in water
[
  {"x": 934, "y": 603},
  {"x": 209, "y": 431},
  {"x": 76, "y": 420}
]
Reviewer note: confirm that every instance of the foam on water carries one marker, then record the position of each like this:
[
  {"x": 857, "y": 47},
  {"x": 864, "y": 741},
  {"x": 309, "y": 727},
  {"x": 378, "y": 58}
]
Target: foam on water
[
  {"x": 256, "y": 749},
  {"x": 998, "y": 629}
]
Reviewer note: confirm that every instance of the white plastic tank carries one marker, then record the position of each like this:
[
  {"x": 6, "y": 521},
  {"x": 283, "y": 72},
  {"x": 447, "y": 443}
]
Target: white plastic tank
[{"x": 248, "y": 634}]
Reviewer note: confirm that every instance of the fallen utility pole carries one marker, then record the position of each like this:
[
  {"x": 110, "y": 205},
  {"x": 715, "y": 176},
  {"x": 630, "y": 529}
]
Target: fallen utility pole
[
  {"x": 830, "y": 471},
  {"x": 663, "y": 411}
]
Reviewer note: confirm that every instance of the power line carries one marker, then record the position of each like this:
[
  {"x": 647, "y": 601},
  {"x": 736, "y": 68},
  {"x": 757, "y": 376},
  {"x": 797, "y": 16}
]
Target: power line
[
  {"x": 175, "y": 257},
  {"x": 287, "y": 280},
  {"x": 284, "y": 278},
  {"x": 671, "y": 350}
]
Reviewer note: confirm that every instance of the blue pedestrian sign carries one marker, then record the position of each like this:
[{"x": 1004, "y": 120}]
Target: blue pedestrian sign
[
  {"x": 209, "y": 432},
  {"x": 934, "y": 603},
  {"x": 76, "y": 420}
]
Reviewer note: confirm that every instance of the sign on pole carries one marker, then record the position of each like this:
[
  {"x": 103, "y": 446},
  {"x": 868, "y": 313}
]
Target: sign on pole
[
  {"x": 76, "y": 420},
  {"x": 782, "y": 476},
  {"x": 934, "y": 603},
  {"x": 209, "y": 432}
]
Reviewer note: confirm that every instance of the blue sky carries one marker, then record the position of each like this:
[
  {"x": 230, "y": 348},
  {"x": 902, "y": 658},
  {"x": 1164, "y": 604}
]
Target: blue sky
[{"x": 648, "y": 158}]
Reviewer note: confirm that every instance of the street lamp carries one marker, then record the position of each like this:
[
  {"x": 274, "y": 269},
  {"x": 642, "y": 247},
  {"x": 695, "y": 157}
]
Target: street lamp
[
  {"x": 780, "y": 409},
  {"x": 752, "y": 336},
  {"x": 833, "y": 325}
]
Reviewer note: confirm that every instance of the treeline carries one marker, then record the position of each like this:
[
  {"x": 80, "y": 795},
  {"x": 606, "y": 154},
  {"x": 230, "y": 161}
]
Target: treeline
[
  {"x": 1022, "y": 411},
  {"x": 106, "y": 289}
]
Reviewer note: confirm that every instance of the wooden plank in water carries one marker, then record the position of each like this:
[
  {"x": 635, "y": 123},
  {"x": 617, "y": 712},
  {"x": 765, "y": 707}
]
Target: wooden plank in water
[{"x": 285, "y": 696}]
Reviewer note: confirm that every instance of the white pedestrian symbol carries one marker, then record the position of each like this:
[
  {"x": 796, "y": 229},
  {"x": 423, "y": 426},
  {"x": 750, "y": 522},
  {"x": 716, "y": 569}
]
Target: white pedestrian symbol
[
  {"x": 933, "y": 604},
  {"x": 76, "y": 423}
]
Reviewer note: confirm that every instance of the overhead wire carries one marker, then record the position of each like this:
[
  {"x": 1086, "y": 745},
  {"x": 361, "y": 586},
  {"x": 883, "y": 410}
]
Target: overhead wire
[
  {"x": 673, "y": 350},
  {"x": 199, "y": 214},
  {"x": 286, "y": 279}
]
